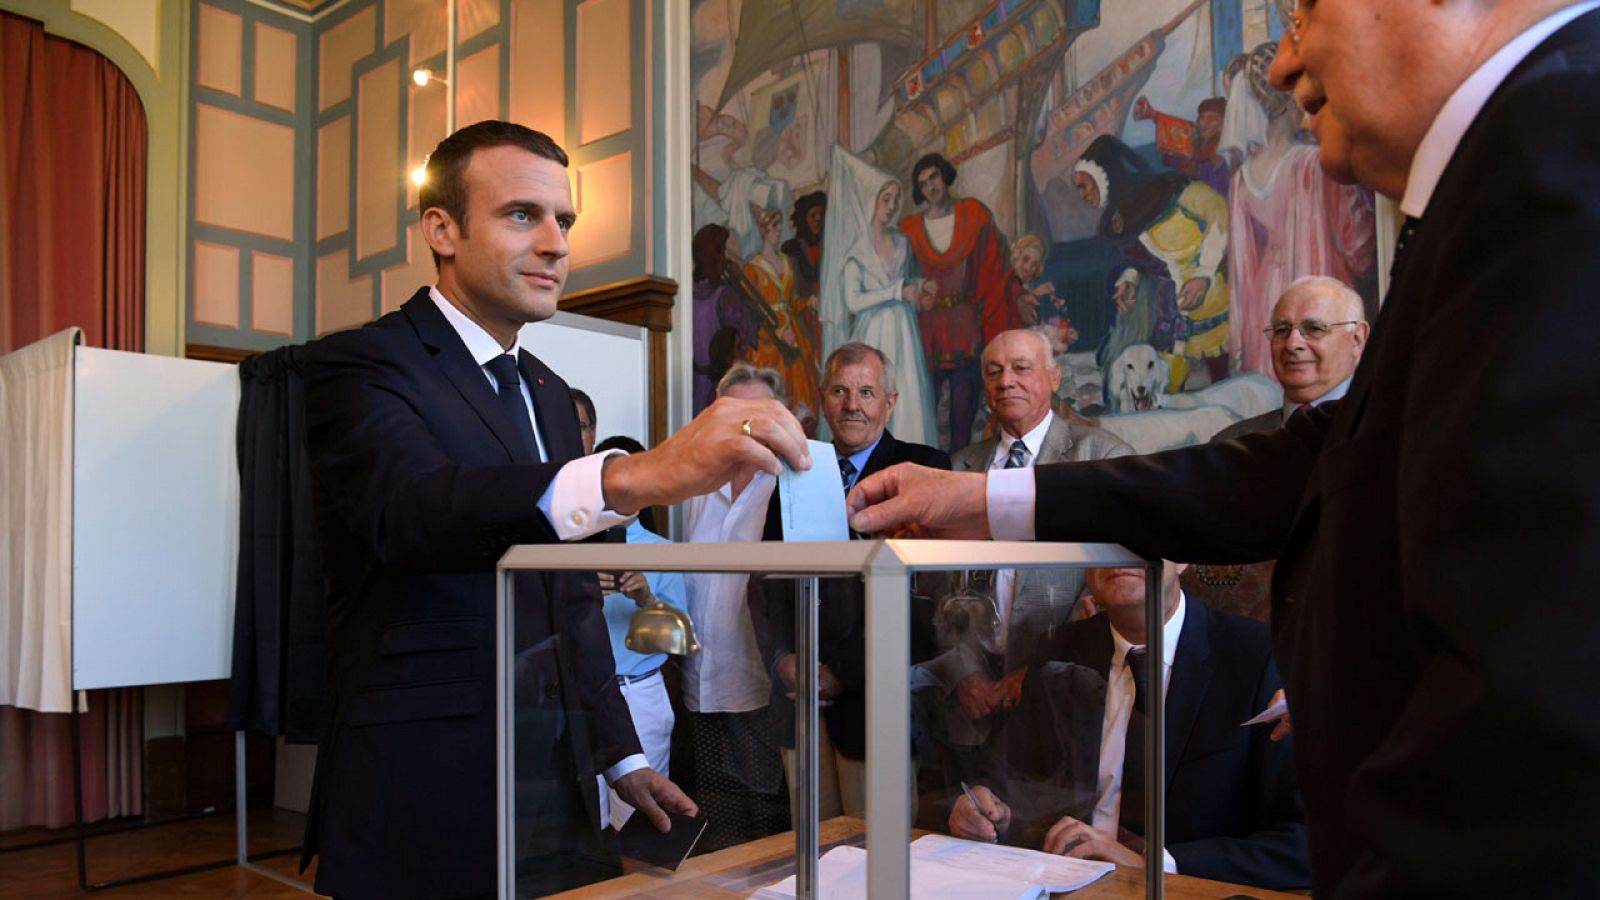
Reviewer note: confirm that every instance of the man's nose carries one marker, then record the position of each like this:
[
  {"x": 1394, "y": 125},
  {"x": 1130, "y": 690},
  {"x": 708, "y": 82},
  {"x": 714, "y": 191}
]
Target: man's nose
[{"x": 550, "y": 239}]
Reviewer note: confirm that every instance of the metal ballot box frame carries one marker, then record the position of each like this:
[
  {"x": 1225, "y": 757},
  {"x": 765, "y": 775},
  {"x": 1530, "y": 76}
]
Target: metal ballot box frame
[{"x": 886, "y": 567}]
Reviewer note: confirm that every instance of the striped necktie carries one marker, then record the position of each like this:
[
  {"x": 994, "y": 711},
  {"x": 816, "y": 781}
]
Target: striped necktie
[
  {"x": 1018, "y": 456},
  {"x": 847, "y": 472}
]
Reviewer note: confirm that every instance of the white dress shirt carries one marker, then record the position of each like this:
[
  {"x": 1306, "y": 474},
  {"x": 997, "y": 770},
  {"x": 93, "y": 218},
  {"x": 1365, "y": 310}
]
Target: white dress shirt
[
  {"x": 1119, "y": 708},
  {"x": 1005, "y": 580},
  {"x": 573, "y": 501},
  {"x": 727, "y": 675},
  {"x": 1011, "y": 493}
]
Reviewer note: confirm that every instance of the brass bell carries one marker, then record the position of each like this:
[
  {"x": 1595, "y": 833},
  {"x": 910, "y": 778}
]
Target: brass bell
[{"x": 660, "y": 628}]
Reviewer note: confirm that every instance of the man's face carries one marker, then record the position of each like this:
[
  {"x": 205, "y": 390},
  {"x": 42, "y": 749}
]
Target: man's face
[
  {"x": 1087, "y": 189},
  {"x": 855, "y": 404},
  {"x": 585, "y": 429},
  {"x": 1019, "y": 381},
  {"x": 506, "y": 264},
  {"x": 1376, "y": 69},
  {"x": 931, "y": 181},
  {"x": 1209, "y": 124},
  {"x": 1123, "y": 589},
  {"x": 1307, "y": 369},
  {"x": 814, "y": 217}
]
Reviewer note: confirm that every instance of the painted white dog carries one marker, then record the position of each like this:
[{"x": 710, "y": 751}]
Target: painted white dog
[
  {"x": 1246, "y": 395},
  {"x": 1155, "y": 430},
  {"x": 1137, "y": 379}
]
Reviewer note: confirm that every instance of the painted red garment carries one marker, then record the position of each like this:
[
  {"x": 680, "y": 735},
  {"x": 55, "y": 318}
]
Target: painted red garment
[{"x": 973, "y": 304}]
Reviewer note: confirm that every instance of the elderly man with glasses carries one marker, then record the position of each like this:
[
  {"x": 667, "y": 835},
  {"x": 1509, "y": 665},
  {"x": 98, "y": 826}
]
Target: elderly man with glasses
[{"x": 1318, "y": 331}]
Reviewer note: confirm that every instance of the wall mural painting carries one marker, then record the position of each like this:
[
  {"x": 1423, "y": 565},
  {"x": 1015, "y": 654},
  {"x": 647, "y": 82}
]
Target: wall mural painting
[{"x": 921, "y": 176}]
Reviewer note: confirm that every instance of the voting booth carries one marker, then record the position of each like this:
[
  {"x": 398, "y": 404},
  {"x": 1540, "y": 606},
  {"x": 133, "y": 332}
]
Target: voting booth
[{"x": 892, "y": 864}]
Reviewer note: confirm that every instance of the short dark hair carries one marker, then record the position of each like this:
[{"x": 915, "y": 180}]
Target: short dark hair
[
  {"x": 931, "y": 161},
  {"x": 619, "y": 442},
  {"x": 582, "y": 400},
  {"x": 446, "y": 183}
]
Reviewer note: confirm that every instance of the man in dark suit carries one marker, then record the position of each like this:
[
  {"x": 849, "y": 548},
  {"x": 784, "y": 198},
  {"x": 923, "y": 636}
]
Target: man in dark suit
[
  {"x": 858, "y": 395},
  {"x": 1462, "y": 454},
  {"x": 436, "y": 443},
  {"x": 1071, "y": 778},
  {"x": 1318, "y": 330}
]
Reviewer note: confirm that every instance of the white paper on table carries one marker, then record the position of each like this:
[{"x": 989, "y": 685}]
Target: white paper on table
[
  {"x": 842, "y": 875},
  {"x": 813, "y": 501},
  {"x": 1276, "y": 711},
  {"x": 1053, "y": 873}
]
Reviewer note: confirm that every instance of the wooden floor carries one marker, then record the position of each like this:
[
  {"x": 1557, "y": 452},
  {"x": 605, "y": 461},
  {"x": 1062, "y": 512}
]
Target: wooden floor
[{"x": 51, "y": 870}]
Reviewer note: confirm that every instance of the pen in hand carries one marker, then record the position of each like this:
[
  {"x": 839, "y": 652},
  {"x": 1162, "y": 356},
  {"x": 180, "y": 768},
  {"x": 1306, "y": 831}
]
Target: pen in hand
[{"x": 973, "y": 799}]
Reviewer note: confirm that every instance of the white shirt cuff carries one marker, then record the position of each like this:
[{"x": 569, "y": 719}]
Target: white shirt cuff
[
  {"x": 574, "y": 502},
  {"x": 1011, "y": 501},
  {"x": 637, "y": 761},
  {"x": 1169, "y": 864}
]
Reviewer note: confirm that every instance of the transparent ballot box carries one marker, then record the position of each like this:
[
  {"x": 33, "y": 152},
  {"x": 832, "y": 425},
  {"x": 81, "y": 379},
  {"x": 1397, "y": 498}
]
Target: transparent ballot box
[{"x": 867, "y": 696}]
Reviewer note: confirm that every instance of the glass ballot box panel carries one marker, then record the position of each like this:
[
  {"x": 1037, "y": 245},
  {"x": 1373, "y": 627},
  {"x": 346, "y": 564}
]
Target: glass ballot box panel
[{"x": 887, "y": 714}]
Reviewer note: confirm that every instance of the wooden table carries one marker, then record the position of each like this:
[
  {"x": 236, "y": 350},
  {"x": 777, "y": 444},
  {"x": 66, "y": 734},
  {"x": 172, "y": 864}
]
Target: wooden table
[{"x": 739, "y": 871}]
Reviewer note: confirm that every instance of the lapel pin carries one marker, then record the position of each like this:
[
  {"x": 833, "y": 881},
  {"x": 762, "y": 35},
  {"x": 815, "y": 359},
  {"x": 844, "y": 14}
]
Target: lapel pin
[{"x": 541, "y": 381}]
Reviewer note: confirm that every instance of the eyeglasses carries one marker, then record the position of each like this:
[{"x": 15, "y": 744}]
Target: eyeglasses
[{"x": 1310, "y": 329}]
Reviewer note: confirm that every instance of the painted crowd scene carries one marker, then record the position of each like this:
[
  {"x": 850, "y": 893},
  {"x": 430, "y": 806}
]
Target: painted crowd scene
[{"x": 921, "y": 176}]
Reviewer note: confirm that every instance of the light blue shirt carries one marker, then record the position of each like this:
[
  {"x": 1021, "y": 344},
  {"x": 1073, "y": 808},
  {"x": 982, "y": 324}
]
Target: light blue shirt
[
  {"x": 859, "y": 460},
  {"x": 619, "y": 609}
]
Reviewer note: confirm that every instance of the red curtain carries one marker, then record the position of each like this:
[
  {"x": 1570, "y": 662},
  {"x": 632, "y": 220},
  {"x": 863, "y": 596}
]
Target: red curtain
[{"x": 73, "y": 147}]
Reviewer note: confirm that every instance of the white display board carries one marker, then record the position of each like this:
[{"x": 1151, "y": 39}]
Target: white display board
[
  {"x": 155, "y": 519},
  {"x": 609, "y": 361}
]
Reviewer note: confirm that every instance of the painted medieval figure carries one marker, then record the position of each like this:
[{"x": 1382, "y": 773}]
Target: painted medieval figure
[
  {"x": 1286, "y": 218},
  {"x": 866, "y": 294},
  {"x": 964, "y": 298},
  {"x": 805, "y": 255},
  {"x": 725, "y": 323},
  {"x": 792, "y": 353},
  {"x": 1180, "y": 222}
]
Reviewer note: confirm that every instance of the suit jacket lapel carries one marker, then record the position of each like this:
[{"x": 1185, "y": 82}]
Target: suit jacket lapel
[
  {"x": 886, "y": 454},
  {"x": 1057, "y": 441},
  {"x": 457, "y": 366},
  {"x": 1192, "y": 668},
  {"x": 551, "y": 399}
]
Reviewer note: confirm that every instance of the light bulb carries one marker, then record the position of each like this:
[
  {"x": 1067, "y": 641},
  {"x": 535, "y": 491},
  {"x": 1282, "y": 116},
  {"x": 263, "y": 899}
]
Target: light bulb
[
  {"x": 421, "y": 77},
  {"x": 419, "y": 175}
]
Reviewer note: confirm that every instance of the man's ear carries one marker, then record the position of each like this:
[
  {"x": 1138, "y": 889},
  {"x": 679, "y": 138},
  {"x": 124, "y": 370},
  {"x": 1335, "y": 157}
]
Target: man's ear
[{"x": 440, "y": 230}]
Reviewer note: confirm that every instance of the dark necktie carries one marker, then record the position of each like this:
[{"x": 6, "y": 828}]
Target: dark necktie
[
  {"x": 509, "y": 389},
  {"x": 847, "y": 472},
  {"x": 1018, "y": 456},
  {"x": 1408, "y": 231},
  {"x": 1132, "y": 814},
  {"x": 1303, "y": 408}
]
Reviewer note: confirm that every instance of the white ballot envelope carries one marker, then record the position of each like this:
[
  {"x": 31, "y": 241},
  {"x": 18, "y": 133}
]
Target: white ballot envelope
[{"x": 813, "y": 501}]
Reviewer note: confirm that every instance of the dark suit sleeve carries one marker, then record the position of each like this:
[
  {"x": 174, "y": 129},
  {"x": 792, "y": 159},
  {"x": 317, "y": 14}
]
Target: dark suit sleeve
[
  {"x": 1274, "y": 854},
  {"x": 389, "y": 478},
  {"x": 1229, "y": 502}
]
